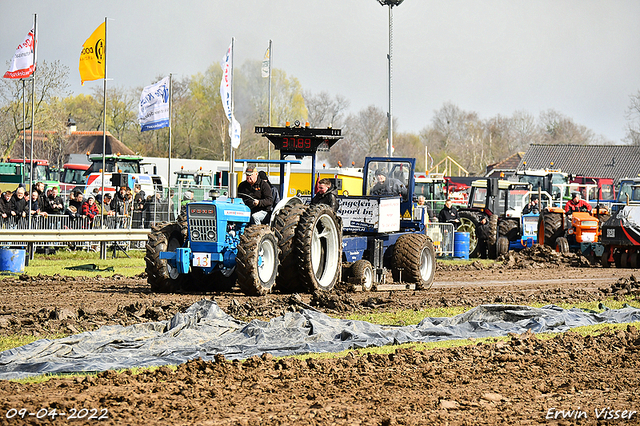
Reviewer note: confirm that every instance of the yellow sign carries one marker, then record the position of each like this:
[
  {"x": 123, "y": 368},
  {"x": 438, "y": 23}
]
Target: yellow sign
[
  {"x": 92, "y": 58},
  {"x": 406, "y": 215}
]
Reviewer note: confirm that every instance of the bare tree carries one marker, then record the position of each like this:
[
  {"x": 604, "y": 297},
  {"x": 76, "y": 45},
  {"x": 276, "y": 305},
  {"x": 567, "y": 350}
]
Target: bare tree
[
  {"x": 325, "y": 111},
  {"x": 633, "y": 120}
]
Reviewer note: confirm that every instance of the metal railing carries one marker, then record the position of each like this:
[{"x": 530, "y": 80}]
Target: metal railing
[{"x": 442, "y": 236}]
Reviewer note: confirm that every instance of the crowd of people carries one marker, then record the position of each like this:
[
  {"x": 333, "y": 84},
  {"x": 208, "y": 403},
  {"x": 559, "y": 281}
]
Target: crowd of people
[{"x": 17, "y": 206}]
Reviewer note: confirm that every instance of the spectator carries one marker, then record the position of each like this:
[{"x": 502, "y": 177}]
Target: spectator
[
  {"x": 55, "y": 204},
  {"x": 256, "y": 194},
  {"x": 42, "y": 197},
  {"x": 107, "y": 205},
  {"x": 90, "y": 209},
  {"x": 575, "y": 204},
  {"x": 449, "y": 214},
  {"x": 482, "y": 233},
  {"x": 19, "y": 206},
  {"x": 139, "y": 204},
  {"x": 35, "y": 204},
  {"x": 119, "y": 202},
  {"x": 422, "y": 203},
  {"x": 5, "y": 210},
  {"x": 326, "y": 194},
  {"x": 388, "y": 186},
  {"x": 74, "y": 210}
]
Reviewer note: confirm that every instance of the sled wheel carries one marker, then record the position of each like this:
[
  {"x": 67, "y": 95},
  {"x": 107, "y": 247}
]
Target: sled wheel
[
  {"x": 502, "y": 246},
  {"x": 562, "y": 245},
  {"x": 414, "y": 254},
  {"x": 617, "y": 259},
  {"x": 604, "y": 259},
  {"x": 161, "y": 276},
  {"x": 468, "y": 223},
  {"x": 284, "y": 226},
  {"x": 624, "y": 260},
  {"x": 318, "y": 248},
  {"x": 633, "y": 260},
  {"x": 257, "y": 260},
  {"x": 362, "y": 272}
]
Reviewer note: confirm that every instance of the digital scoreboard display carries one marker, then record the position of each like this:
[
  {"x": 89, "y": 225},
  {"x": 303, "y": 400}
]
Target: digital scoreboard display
[{"x": 300, "y": 139}]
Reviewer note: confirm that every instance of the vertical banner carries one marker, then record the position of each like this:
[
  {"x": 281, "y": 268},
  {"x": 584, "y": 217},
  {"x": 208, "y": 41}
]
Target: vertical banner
[
  {"x": 266, "y": 70},
  {"x": 24, "y": 62},
  {"x": 153, "y": 111},
  {"x": 92, "y": 57},
  {"x": 226, "y": 97}
]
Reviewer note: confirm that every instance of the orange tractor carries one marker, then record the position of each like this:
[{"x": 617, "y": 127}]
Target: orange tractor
[{"x": 570, "y": 232}]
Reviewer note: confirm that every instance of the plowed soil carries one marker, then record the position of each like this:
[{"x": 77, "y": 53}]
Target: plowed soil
[{"x": 567, "y": 380}]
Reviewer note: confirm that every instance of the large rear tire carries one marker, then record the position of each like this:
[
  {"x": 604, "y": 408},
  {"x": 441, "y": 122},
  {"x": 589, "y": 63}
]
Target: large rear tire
[
  {"x": 161, "y": 276},
  {"x": 414, "y": 258},
  {"x": 468, "y": 222},
  {"x": 285, "y": 224},
  {"x": 549, "y": 228},
  {"x": 318, "y": 248},
  {"x": 493, "y": 230},
  {"x": 509, "y": 228},
  {"x": 257, "y": 260}
]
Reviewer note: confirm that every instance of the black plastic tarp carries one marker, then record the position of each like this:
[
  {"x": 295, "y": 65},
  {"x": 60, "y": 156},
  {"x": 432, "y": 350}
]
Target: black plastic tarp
[{"x": 204, "y": 330}]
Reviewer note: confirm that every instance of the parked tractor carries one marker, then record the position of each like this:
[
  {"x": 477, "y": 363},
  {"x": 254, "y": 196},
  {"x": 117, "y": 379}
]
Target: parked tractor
[
  {"x": 501, "y": 203},
  {"x": 213, "y": 246},
  {"x": 568, "y": 232}
]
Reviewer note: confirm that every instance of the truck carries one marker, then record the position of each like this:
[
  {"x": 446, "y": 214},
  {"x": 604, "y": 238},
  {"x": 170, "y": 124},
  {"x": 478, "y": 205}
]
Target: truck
[
  {"x": 305, "y": 247},
  {"x": 126, "y": 165},
  {"x": 13, "y": 170}
]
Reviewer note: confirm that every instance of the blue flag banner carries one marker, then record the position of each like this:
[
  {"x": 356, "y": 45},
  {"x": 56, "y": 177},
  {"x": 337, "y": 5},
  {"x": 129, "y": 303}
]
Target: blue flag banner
[{"x": 153, "y": 112}]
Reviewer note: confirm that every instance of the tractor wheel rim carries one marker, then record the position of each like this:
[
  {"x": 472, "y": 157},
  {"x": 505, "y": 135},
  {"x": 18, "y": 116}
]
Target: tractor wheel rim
[
  {"x": 324, "y": 250},
  {"x": 425, "y": 264},
  {"x": 367, "y": 283},
  {"x": 266, "y": 260}
]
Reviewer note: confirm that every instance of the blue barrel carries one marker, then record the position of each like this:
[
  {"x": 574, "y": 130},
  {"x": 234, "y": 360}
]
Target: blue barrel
[
  {"x": 461, "y": 245},
  {"x": 12, "y": 260}
]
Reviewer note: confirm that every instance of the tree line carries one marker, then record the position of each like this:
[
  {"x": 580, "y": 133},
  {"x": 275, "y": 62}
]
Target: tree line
[{"x": 200, "y": 128}]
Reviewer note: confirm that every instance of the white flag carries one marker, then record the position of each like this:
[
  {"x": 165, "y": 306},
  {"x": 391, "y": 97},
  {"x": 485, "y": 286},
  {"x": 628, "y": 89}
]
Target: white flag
[
  {"x": 153, "y": 111},
  {"x": 24, "y": 62},
  {"x": 225, "y": 96},
  {"x": 265, "y": 63}
]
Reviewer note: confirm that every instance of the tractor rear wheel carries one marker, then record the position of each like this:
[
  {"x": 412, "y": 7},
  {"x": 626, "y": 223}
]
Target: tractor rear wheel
[
  {"x": 284, "y": 225},
  {"x": 493, "y": 230},
  {"x": 562, "y": 245},
  {"x": 162, "y": 277},
  {"x": 509, "y": 228},
  {"x": 468, "y": 222},
  {"x": 318, "y": 248},
  {"x": 502, "y": 246},
  {"x": 362, "y": 272},
  {"x": 257, "y": 260},
  {"x": 414, "y": 258},
  {"x": 549, "y": 228}
]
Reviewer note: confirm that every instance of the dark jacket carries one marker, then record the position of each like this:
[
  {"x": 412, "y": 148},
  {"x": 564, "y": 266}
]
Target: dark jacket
[
  {"x": 53, "y": 203},
  {"x": 19, "y": 206},
  {"x": 390, "y": 186},
  {"x": 118, "y": 204},
  {"x": 5, "y": 206},
  {"x": 531, "y": 208},
  {"x": 329, "y": 198},
  {"x": 260, "y": 191},
  {"x": 448, "y": 214},
  {"x": 78, "y": 208}
]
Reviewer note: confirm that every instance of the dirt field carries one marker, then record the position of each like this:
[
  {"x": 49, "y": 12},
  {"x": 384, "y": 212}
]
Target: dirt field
[{"x": 524, "y": 381}]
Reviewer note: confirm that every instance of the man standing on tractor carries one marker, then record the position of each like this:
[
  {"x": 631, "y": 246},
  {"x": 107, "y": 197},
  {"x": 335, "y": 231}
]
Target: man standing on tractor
[
  {"x": 256, "y": 194},
  {"x": 575, "y": 204}
]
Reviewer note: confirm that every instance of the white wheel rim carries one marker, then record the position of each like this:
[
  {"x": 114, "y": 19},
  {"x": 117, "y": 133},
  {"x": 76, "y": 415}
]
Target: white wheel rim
[
  {"x": 325, "y": 271},
  {"x": 367, "y": 283},
  {"x": 267, "y": 260},
  {"x": 173, "y": 271},
  {"x": 425, "y": 264}
]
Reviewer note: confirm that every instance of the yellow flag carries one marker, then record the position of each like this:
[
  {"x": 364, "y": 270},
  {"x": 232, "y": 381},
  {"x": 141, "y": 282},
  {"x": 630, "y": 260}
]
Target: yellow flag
[{"x": 92, "y": 60}]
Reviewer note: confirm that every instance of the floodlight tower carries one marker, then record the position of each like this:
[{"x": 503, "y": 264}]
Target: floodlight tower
[{"x": 391, "y": 4}]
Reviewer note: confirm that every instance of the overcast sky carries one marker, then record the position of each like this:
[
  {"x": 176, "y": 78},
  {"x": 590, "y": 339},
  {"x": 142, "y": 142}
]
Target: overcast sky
[{"x": 579, "y": 57}]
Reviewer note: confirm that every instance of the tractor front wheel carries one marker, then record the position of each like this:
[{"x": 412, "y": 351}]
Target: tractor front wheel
[
  {"x": 362, "y": 272},
  {"x": 162, "y": 277},
  {"x": 257, "y": 260}
]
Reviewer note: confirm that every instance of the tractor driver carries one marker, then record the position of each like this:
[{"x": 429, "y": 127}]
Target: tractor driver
[
  {"x": 388, "y": 185},
  {"x": 575, "y": 204},
  {"x": 256, "y": 194}
]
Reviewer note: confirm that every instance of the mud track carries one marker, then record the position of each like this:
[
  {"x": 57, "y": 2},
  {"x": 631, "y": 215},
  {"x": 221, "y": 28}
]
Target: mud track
[{"x": 499, "y": 383}]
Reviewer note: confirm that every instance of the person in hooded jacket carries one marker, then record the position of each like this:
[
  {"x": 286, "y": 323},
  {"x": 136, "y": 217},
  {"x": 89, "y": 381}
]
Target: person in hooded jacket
[{"x": 326, "y": 194}]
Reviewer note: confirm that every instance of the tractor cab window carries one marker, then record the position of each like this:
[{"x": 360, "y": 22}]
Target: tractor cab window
[
  {"x": 388, "y": 178},
  {"x": 479, "y": 197},
  {"x": 606, "y": 192},
  {"x": 635, "y": 193}
]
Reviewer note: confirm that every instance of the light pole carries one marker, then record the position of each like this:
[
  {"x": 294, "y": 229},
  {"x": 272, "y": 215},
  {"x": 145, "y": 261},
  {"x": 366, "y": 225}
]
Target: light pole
[{"x": 390, "y": 3}]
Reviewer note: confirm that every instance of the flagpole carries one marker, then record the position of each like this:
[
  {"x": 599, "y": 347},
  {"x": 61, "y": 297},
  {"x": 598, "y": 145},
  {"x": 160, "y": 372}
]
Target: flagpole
[
  {"x": 232, "y": 178},
  {"x": 169, "y": 158},
  {"x": 33, "y": 106},
  {"x": 24, "y": 131},
  {"x": 269, "y": 142},
  {"x": 104, "y": 123}
]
